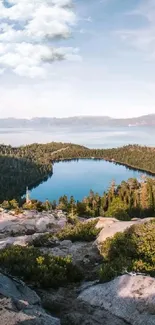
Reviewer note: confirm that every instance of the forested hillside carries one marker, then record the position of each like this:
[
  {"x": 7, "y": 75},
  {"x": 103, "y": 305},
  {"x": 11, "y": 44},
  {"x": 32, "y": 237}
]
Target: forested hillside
[
  {"x": 25, "y": 166},
  {"x": 132, "y": 155}
]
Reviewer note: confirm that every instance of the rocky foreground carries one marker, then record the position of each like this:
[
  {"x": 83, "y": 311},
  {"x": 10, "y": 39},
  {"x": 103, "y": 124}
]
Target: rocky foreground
[
  {"x": 126, "y": 300},
  {"x": 20, "y": 305}
]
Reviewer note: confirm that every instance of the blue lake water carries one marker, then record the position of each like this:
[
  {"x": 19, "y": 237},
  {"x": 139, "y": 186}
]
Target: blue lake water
[
  {"x": 78, "y": 177},
  {"x": 90, "y": 137}
]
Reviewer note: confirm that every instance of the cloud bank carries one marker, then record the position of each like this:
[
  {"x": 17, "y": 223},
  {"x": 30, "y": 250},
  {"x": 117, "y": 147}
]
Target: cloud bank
[{"x": 27, "y": 29}]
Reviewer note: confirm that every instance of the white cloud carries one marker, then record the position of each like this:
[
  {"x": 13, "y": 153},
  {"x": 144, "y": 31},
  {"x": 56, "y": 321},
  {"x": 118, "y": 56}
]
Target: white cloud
[
  {"x": 89, "y": 19},
  {"x": 2, "y": 71},
  {"x": 67, "y": 95},
  {"x": 26, "y": 59},
  {"x": 32, "y": 72},
  {"x": 50, "y": 23},
  {"x": 143, "y": 38},
  {"x": 27, "y": 28},
  {"x": 147, "y": 9}
]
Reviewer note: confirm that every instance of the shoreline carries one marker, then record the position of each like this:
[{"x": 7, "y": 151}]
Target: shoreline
[{"x": 149, "y": 172}]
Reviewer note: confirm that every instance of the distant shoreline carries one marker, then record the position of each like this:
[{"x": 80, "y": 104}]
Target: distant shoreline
[
  {"x": 151, "y": 173},
  {"x": 77, "y": 121}
]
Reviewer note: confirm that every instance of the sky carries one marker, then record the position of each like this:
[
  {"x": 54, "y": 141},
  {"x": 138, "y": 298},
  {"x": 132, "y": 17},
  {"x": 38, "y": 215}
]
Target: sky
[{"x": 61, "y": 58}]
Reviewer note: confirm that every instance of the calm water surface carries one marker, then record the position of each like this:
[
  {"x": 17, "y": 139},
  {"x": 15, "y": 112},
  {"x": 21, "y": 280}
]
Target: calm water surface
[
  {"x": 78, "y": 177},
  {"x": 99, "y": 138}
]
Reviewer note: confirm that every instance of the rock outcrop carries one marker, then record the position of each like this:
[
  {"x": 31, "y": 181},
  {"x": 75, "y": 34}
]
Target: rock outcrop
[
  {"x": 73, "y": 311},
  {"x": 19, "y": 305},
  {"x": 19, "y": 229},
  {"x": 84, "y": 255},
  {"x": 30, "y": 222},
  {"x": 111, "y": 226},
  {"x": 128, "y": 298}
]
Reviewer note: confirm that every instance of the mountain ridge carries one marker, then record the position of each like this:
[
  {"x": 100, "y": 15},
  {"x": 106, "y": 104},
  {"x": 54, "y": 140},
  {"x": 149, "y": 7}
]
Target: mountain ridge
[{"x": 77, "y": 121}]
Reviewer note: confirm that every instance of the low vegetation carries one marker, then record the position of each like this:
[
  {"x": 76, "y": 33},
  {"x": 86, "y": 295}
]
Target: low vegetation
[
  {"x": 38, "y": 269},
  {"x": 131, "y": 251},
  {"x": 79, "y": 232}
]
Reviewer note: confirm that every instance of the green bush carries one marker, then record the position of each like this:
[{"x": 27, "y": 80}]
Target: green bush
[
  {"x": 79, "y": 232},
  {"x": 133, "y": 250},
  {"x": 118, "y": 210},
  {"x": 45, "y": 240},
  {"x": 41, "y": 270},
  {"x": 82, "y": 231}
]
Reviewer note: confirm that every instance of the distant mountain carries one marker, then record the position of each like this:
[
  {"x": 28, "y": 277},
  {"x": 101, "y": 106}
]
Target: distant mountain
[{"x": 77, "y": 121}]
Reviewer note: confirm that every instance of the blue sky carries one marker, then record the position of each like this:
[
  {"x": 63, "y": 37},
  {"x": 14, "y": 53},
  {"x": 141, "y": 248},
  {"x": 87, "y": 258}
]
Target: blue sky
[{"x": 64, "y": 58}]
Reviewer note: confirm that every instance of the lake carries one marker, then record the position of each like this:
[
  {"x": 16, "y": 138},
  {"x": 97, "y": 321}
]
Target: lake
[
  {"x": 98, "y": 138},
  {"x": 78, "y": 177}
]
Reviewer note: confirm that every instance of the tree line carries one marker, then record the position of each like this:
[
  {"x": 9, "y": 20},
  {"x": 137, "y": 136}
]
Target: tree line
[{"x": 128, "y": 200}]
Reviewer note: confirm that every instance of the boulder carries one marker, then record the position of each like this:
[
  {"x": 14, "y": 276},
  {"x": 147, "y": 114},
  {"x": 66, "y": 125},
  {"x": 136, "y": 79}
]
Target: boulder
[
  {"x": 72, "y": 311},
  {"x": 18, "y": 240},
  {"x": 102, "y": 222},
  {"x": 30, "y": 222},
  {"x": 13, "y": 288},
  {"x": 130, "y": 298},
  {"x": 21, "y": 241},
  {"x": 19, "y": 305},
  {"x": 111, "y": 226},
  {"x": 84, "y": 255}
]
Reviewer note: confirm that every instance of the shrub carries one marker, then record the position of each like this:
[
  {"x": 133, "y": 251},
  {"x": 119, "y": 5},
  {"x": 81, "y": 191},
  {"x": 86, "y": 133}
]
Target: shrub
[
  {"x": 79, "y": 232},
  {"x": 118, "y": 210},
  {"x": 41, "y": 270},
  {"x": 133, "y": 250},
  {"x": 45, "y": 240}
]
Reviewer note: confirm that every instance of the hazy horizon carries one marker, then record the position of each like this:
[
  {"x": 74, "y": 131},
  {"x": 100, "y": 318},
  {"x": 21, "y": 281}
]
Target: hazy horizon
[{"x": 77, "y": 116}]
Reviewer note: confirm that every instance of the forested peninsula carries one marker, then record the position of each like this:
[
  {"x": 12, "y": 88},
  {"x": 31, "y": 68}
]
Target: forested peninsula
[{"x": 30, "y": 165}]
